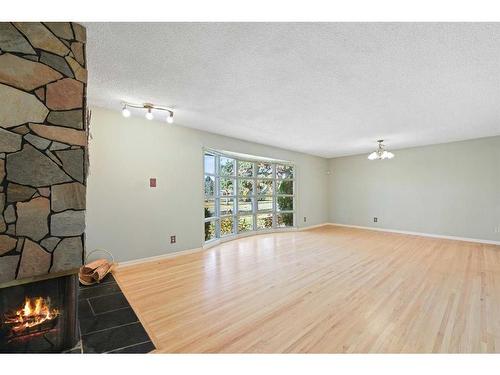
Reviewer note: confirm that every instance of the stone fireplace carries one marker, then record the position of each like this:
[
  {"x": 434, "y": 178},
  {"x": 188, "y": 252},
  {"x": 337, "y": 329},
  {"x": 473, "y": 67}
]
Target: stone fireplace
[{"x": 43, "y": 165}]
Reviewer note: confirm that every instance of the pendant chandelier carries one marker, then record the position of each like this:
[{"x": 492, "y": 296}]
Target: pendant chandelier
[{"x": 381, "y": 152}]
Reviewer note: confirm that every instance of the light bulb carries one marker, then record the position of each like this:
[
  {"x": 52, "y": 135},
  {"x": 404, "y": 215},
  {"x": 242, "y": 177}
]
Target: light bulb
[
  {"x": 149, "y": 114},
  {"x": 125, "y": 111},
  {"x": 372, "y": 156},
  {"x": 390, "y": 155},
  {"x": 170, "y": 118}
]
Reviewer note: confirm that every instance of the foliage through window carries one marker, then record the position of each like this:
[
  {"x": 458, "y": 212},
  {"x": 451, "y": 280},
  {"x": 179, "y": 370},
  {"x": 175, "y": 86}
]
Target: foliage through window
[{"x": 243, "y": 195}]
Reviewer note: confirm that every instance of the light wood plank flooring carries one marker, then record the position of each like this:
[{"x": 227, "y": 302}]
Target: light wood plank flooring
[{"x": 327, "y": 290}]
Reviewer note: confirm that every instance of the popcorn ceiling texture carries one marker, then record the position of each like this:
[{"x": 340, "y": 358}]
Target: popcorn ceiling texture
[
  {"x": 324, "y": 88},
  {"x": 43, "y": 146}
]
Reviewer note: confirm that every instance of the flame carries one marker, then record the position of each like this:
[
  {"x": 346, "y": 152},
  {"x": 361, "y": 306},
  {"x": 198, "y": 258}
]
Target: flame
[{"x": 34, "y": 312}]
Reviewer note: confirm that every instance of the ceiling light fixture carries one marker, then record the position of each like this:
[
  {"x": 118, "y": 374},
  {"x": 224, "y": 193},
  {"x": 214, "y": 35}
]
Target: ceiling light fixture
[
  {"x": 380, "y": 153},
  {"x": 170, "y": 118},
  {"x": 149, "y": 110},
  {"x": 149, "y": 114},
  {"x": 125, "y": 111}
]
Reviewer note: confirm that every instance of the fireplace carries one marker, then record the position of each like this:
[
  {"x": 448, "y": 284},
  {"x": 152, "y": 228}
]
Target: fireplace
[
  {"x": 44, "y": 127},
  {"x": 39, "y": 316}
]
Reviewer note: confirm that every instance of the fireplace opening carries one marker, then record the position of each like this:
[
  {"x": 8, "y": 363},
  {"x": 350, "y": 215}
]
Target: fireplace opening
[
  {"x": 39, "y": 317},
  {"x": 35, "y": 316}
]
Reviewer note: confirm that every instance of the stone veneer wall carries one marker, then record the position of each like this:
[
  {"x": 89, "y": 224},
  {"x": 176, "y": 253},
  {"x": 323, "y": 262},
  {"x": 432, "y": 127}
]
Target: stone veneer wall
[{"x": 43, "y": 148}]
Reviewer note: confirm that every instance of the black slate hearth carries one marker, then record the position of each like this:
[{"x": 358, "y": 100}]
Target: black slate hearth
[{"x": 107, "y": 322}]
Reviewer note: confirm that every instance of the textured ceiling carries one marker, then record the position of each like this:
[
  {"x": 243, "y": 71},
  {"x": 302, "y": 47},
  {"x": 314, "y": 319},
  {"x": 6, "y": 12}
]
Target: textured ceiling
[{"x": 327, "y": 89}]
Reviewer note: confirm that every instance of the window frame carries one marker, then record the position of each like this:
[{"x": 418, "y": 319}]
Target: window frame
[
  {"x": 254, "y": 196},
  {"x": 215, "y": 197}
]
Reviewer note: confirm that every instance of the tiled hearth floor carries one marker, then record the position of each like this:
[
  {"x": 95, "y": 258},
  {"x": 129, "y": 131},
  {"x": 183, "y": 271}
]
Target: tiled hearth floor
[{"x": 107, "y": 322}]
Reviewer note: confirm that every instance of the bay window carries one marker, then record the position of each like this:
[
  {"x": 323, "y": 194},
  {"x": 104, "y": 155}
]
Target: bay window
[{"x": 246, "y": 195}]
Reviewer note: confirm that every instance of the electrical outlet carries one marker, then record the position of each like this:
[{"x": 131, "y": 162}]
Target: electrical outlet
[
  {"x": 173, "y": 239},
  {"x": 375, "y": 219},
  {"x": 305, "y": 219}
]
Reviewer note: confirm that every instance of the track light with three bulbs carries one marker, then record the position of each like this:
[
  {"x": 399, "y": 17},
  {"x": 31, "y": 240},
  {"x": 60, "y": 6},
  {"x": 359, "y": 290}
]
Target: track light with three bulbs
[{"x": 149, "y": 108}]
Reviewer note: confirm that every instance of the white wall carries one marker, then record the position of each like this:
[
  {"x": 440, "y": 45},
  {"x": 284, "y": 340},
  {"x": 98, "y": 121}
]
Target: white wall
[
  {"x": 132, "y": 220},
  {"x": 449, "y": 189}
]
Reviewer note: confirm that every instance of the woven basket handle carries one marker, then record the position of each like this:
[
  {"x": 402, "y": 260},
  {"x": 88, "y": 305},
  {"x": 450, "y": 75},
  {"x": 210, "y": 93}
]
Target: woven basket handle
[{"x": 97, "y": 250}]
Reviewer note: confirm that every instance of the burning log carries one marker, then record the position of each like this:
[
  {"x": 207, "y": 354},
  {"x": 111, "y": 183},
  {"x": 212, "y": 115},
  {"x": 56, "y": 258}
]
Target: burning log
[{"x": 36, "y": 315}]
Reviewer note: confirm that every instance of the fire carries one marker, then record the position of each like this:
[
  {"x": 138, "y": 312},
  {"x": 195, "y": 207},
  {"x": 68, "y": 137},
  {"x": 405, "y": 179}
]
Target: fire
[{"x": 34, "y": 312}]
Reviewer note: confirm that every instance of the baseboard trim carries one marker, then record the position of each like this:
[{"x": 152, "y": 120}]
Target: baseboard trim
[
  {"x": 314, "y": 226},
  {"x": 174, "y": 254},
  {"x": 206, "y": 247},
  {"x": 464, "y": 239},
  {"x": 210, "y": 245}
]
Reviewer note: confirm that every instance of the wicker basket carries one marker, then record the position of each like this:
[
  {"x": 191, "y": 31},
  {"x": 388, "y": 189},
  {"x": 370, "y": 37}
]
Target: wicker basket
[{"x": 93, "y": 272}]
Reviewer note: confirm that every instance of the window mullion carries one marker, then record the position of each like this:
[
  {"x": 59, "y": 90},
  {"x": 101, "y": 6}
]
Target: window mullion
[
  {"x": 275, "y": 193},
  {"x": 236, "y": 200},
  {"x": 255, "y": 200},
  {"x": 217, "y": 185}
]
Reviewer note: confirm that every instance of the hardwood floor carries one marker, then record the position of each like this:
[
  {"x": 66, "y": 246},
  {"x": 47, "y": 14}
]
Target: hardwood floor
[{"x": 327, "y": 290}]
